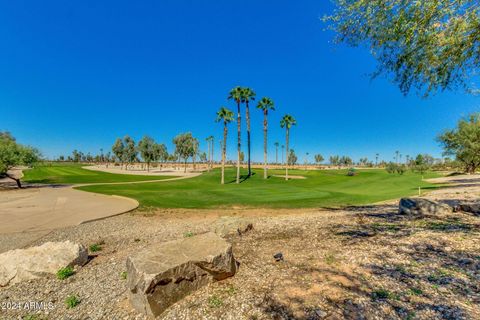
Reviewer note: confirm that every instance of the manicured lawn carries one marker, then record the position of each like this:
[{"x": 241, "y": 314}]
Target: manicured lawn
[
  {"x": 329, "y": 188},
  {"x": 73, "y": 174}
]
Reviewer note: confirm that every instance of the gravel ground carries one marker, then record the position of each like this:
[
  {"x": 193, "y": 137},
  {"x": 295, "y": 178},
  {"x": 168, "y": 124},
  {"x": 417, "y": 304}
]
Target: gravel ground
[{"x": 353, "y": 263}]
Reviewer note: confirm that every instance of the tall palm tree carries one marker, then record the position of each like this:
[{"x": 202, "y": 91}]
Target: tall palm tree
[
  {"x": 265, "y": 104},
  {"x": 236, "y": 95},
  {"x": 276, "y": 144},
  {"x": 376, "y": 159},
  {"x": 247, "y": 96},
  {"x": 226, "y": 116},
  {"x": 209, "y": 142},
  {"x": 396, "y": 156},
  {"x": 211, "y": 150},
  {"x": 287, "y": 122}
]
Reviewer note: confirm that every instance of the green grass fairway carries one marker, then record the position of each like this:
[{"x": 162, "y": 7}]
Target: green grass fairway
[
  {"x": 328, "y": 188},
  {"x": 74, "y": 174}
]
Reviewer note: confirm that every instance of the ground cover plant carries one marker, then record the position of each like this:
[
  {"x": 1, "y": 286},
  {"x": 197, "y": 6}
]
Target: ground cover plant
[{"x": 320, "y": 188}]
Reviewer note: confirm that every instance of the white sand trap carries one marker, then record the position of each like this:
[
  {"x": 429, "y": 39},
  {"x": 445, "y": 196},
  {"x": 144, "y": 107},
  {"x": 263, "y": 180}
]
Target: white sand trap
[
  {"x": 167, "y": 171},
  {"x": 48, "y": 208},
  {"x": 289, "y": 177}
]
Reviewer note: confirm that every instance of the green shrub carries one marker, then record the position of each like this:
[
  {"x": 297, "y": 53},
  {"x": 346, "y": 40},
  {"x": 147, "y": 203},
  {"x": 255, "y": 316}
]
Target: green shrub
[
  {"x": 124, "y": 275},
  {"x": 65, "y": 273},
  {"x": 352, "y": 172},
  {"x": 188, "y": 234},
  {"x": 72, "y": 301},
  {"x": 215, "y": 302},
  {"x": 381, "y": 294},
  {"x": 95, "y": 247}
]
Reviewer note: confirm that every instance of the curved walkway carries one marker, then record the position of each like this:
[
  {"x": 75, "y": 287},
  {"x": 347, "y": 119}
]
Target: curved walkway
[{"x": 41, "y": 209}]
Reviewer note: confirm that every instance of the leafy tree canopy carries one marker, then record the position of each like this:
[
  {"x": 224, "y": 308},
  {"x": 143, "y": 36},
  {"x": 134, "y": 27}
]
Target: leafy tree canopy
[
  {"x": 186, "y": 145},
  {"x": 426, "y": 45},
  {"x": 292, "y": 157},
  {"x": 463, "y": 142},
  {"x": 13, "y": 154}
]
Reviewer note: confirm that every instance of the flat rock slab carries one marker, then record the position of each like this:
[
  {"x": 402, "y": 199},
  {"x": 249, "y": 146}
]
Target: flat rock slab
[
  {"x": 165, "y": 273},
  {"x": 26, "y": 264},
  {"x": 421, "y": 206}
]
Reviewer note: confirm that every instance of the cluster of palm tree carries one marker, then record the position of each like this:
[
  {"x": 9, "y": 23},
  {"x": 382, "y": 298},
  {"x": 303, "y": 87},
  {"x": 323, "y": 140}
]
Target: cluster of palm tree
[{"x": 243, "y": 96}]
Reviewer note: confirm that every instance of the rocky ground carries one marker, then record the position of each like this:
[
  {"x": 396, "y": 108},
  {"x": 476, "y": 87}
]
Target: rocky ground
[{"x": 353, "y": 263}]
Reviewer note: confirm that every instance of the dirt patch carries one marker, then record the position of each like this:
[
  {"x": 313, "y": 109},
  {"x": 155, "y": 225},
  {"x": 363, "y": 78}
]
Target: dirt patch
[{"x": 289, "y": 177}]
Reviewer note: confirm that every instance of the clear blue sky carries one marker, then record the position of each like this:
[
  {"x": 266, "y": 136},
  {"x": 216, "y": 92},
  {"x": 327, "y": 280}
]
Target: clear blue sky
[{"x": 78, "y": 74}]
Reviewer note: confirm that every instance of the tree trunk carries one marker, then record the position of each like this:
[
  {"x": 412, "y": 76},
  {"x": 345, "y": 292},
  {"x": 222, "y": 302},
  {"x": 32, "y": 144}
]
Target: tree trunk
[
  {"x": 224, "y": 150},
  {"x": 239, "y": 143},
  {"x": 248, "y": 138},
  {"x": 265, "y": 146},
  {"x": 276, "y": 155},
  {"x": 286, "y": 166},
  {"x": 148, "y": 166},
  {"x": 185, "y": 166},
  {"x": 19, "y": 184},
  {"x": 209, "y": 156}
]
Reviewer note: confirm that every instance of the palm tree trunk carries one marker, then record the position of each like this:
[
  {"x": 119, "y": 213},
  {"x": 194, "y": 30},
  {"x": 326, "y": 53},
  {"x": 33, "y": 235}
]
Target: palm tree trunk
[
  {"x": 209, "y": 154},
  {"x": 248, "y": 138},
  {"x": 265, "y": 128},
  {"x": 211, "y": 158},
  {"x": 239, "y": 143},
  {"x": 224, "y": 150},
  {"x": 286, "y": 166},
  {"x": 276, "y": 155}
]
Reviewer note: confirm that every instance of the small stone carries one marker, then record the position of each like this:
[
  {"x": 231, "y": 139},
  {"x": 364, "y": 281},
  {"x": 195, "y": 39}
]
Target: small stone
[{"x": 278, "y": 257}]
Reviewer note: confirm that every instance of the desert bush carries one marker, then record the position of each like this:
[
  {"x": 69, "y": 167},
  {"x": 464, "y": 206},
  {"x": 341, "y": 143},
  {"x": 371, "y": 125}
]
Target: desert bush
[
  {"x": 352, "y": 172},
  {"x": 65, "y": 273},
  {"x": 72, "y": 301}
]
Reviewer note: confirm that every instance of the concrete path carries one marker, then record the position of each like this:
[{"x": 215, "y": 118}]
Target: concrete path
[{"x": 47, "y": 208}]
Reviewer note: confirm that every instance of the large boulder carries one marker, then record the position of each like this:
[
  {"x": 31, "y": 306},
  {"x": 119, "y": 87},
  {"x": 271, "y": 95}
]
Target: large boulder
[
  {"x": 26, "y": 264},
  {"x": 231, "y": 226},
  {"x": 471, "y": 208},
  {"x": 421, "y": 206},
  {"x": 165, "y": 273}
]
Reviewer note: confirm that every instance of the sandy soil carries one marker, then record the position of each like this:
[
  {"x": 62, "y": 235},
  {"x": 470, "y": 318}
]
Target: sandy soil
[
  {"x": 137, "y": 170},
  {"x": 352, "y": 263},
  {"x": 38, "y": 210}
]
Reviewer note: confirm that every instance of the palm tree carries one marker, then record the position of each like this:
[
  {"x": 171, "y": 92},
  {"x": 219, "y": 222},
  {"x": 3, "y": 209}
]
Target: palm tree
[
  {"x": 276, "y": 152},
  {"x": 236, "y": 94},
  {"x": 396, "y": 156},
  {"x": 283, "y": 153},
  {"x": 210, "y": 141},
  {"x": 376, "y": 159},
  {"x": 287, "y": 122},
  {"x": 247, "y": 96},
  {"x": 226, "y": 116},
  {"x": 265, "y": 104}
]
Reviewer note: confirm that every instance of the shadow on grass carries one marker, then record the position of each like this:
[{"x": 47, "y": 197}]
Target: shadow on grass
[{"x": 243, "y": 178}]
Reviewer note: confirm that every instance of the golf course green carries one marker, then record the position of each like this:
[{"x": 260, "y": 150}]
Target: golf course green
[
  {"x": 320, "y": 188},
  {"x": 73, "y": 173}
]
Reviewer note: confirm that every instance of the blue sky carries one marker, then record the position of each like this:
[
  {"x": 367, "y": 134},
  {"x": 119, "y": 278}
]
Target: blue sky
[{"x": 78, "y": 74}]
